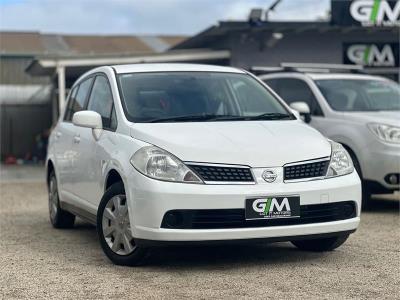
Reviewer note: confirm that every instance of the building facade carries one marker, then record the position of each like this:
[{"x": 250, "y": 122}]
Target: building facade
[{"x": 28, "y": 104}]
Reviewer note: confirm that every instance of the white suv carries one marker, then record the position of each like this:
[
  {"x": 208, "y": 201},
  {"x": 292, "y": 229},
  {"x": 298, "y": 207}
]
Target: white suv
[
  {"x": 172, "y": 153},
  {"x": 361, "y": 112}
]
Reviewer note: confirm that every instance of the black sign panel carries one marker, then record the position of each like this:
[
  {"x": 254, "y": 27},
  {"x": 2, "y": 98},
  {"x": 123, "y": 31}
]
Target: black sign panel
[
  {"x": 371, "y": 54},
  {"x": 366, "y": 12},
  {"x": 273, "y": 207}
]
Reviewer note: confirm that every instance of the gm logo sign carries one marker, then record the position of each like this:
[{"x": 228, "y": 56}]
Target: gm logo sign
[
  {"x": 366, "y": 12},
  {"x": 372, "y": 55},
  {"x": 376, "y": 12}
]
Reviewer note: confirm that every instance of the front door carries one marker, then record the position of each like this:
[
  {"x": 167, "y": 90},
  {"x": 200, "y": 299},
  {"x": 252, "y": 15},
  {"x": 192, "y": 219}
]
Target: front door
[{"x": 93, "y": 154}]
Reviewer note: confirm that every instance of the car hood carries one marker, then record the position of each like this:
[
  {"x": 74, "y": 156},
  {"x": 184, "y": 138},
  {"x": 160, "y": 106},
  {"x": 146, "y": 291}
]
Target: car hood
[
  {"x": 383, "y": 117},
  {"x": 252, "y": 143}
]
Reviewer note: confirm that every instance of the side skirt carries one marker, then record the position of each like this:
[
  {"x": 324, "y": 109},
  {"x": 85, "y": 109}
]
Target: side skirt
[{"x": 83, "y": 214}]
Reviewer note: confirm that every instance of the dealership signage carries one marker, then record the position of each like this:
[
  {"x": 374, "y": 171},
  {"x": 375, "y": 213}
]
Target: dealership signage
[
  {"x": 371, "y": 54},
  {"x": 366, "y": 12}
]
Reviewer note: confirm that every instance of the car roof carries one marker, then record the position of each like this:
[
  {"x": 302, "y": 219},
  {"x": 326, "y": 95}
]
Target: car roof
[
  {"x": 322, "y": 76},
  {"x": 317, "y": 76},
  {"x": 171, "y": 67}
]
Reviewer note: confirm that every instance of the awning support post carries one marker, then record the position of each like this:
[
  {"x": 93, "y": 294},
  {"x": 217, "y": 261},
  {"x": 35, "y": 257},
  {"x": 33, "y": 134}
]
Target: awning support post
[{"x": 61, "y": 88}]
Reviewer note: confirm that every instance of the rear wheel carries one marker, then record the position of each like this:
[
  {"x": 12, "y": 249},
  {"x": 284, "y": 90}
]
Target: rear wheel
[
  {"x": 114, "y": 228},
  {"x": 59, "y": 218},
  {"x": 320, "y": 245}
]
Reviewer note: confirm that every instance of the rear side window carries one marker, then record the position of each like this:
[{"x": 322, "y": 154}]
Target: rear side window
[
  {"x": 101, "y": 100},
  {"x": 78, "y": 102},
  {"x": 71, "y": 98},
  {"x": 294, "y": 90}
]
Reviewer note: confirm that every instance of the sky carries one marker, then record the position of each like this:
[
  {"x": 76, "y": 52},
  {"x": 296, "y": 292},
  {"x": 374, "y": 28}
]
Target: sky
[{"x": 169, "y": 17}]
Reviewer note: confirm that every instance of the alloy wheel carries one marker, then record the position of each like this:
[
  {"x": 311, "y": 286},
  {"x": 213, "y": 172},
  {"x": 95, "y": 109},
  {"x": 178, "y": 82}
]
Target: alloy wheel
[{"x": 53, "y": 199}]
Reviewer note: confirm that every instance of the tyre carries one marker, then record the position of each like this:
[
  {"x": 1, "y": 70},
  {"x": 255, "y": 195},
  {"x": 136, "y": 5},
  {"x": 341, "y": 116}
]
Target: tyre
[
  {"x": 59, "y": 218},
  {"x": 320, "y": 245},
  {"x": 114, "y": 229},
  {"x": 366, "y": 202}
]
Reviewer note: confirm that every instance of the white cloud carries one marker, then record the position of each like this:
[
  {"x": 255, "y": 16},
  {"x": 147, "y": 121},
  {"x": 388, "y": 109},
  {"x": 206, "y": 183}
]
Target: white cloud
[{"x": 141, "y": 16}]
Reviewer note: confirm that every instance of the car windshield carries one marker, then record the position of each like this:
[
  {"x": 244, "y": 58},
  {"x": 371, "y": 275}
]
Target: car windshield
[
  {"x": 360, "y": 95},
  {"x": 197, "y": 96}
]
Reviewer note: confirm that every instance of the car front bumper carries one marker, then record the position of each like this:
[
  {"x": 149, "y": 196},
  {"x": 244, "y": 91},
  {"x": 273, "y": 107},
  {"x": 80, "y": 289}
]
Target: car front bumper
[{"x": 149, "y": 200}]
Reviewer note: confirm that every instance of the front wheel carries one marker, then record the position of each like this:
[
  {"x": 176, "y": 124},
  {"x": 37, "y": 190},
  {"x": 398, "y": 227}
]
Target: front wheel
[
  {"x": 320, "y": 245},
  {"x": 114, "y": 228}
]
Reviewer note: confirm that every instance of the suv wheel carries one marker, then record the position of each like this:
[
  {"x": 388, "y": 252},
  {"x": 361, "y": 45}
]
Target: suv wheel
[
  {"x": 320, "y": 245},
  {"x": 114, "y": 228},
  {"x": 366, "y": 193},
  {"x": 59, "y": 218}
]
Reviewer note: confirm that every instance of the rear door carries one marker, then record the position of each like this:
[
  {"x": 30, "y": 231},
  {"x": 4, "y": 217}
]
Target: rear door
[
  {"x": 71, "y": 154},
  {"x": 63, "y": 143}
]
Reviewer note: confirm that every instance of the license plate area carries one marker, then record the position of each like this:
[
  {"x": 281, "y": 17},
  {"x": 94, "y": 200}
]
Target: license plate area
[{"x": 273, "y": 207}]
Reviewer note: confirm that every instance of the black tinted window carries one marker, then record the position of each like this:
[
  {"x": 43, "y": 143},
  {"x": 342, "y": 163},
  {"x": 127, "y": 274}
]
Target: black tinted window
[
  {"x": 101, "y": 100},
  {"x": 149, "y": 96},
  {"x": 71, "y": 99},
  {"x": 113, "y": 122},
  {"x": 78, "y": 102},
  {"x": 295, "y": 90}
]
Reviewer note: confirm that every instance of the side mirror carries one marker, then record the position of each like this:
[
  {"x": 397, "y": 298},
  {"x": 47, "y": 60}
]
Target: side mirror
[
  {"x": 303, "y": 109},
  {"x": 89, "y": 119}
]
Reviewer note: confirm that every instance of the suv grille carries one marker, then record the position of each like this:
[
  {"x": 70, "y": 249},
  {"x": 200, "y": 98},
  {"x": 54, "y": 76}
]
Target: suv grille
[
  {"x": 222, "y": 173},
  {"x": 306, "y": 170},
  {"x": 235, "y": 218}
]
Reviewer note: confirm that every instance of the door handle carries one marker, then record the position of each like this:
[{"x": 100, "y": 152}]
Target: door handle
[
  {"x": 77, "y": 139},
  {"x": 58, "y": 135}
]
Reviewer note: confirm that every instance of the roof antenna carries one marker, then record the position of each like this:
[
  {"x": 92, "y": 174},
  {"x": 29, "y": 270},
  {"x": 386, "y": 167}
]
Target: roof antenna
[{"x": 271, "y": 8}]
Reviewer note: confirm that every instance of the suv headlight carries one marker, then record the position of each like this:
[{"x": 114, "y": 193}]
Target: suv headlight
[
  {"x": 341, "y": 163},
  {"x": 162, "y": 165},
  {"x": 386, "y": 133}
]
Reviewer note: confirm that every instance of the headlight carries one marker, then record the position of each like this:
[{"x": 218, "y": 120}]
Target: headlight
[
  {"x": 159, "y": 164},
  {"x": 341, "y": 163},
  {"x": 386, "y": 133}
]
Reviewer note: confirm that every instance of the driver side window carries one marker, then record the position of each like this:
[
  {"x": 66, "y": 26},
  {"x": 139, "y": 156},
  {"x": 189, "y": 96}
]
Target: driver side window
[
  {"x": 101, "y": 101},
  {"x": 294, "y": 90}
]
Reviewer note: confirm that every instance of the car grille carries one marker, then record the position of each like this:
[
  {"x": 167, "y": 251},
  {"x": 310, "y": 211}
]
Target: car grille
[
  {"x": 306, "y": 170},
  {"x": 212, "y": 173},
  {"x": 235, "y": 218}
]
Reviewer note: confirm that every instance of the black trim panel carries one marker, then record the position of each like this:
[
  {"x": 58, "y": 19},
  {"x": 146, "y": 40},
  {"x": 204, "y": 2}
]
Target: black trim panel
[
  {"x": 235, "y": 218},
  {"x": 154, "y": 243}
]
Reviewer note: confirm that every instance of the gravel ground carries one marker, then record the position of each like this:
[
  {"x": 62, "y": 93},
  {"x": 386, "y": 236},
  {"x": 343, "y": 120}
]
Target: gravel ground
[{"x": 37, "y": 261}]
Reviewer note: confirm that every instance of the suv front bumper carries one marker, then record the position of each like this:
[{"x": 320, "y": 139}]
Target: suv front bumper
[{"x": 379, "y": 160}]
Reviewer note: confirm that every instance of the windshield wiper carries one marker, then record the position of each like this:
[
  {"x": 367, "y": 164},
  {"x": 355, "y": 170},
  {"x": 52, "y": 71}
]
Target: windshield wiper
[
  {"x": 272, "y": 116},
  {"x": 212, "y": 117},
  {"x": 188, "y": 118}
]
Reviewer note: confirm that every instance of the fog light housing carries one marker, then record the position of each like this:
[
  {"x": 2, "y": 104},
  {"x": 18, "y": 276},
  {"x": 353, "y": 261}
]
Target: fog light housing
[
  {"x": 172, "y": 219},
  {"x": 392, "y": 178}
]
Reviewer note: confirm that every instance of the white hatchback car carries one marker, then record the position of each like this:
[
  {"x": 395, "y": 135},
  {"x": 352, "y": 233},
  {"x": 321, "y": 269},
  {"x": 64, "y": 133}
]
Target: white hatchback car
[
  {"x": 158, "y": 154},
  {"x": 362, "y": 112}
]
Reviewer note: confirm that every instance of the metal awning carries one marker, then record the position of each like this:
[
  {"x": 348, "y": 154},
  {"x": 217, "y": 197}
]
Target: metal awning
[
  {"x": 68, "y": 69},
  {"x": 47, "y": 65},
  {"x": 14, "y": 94}
]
